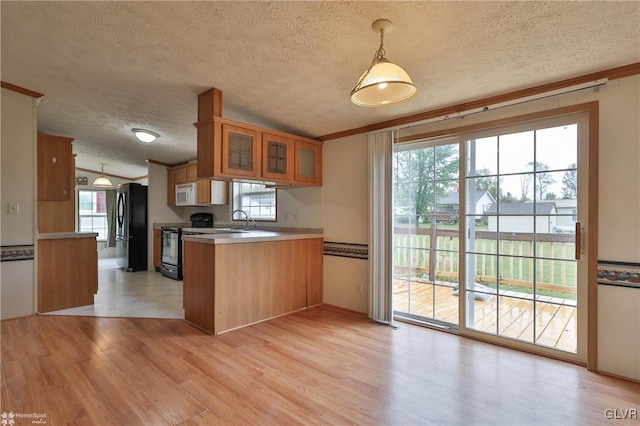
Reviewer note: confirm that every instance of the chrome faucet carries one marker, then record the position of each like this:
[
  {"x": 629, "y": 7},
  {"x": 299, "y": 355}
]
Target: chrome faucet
[{"x": 249, "y": 222}]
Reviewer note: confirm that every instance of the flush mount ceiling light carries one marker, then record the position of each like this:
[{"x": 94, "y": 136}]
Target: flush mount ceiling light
[
  {"x": 146, "y": 136},
  {"x": 383, "y": 83},
  {"x": 102, "y": 181}
]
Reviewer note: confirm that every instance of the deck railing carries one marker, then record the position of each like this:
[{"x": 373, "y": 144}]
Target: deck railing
[{"x": 431, "y": 252}]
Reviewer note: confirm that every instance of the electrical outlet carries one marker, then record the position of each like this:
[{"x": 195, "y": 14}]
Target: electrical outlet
[
  {"x": 286, "y": 217},
  {"x": 295, "y": 217}
]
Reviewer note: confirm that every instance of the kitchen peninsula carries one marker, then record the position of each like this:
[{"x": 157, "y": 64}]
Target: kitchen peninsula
[
  {"x": 67, "y": 270},
  {"x": 234, "y": 278}
]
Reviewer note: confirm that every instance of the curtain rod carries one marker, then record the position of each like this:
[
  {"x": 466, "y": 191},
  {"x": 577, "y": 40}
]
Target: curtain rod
[{"x": 595, "y": 84}]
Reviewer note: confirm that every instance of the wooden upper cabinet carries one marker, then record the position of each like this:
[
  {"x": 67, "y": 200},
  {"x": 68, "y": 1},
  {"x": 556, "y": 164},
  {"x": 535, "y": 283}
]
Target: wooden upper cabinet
[
  {"x": 180, "y": 175},
  {"x": 277, "y": 157},
  {"x": 229, "y": 149},
  {"x": 55, "y": 168},
  {"x": 241, "y": 150},
  {"x": 192, "y": 172},
  {"x": 56, "y": 184},
  {"x": 212, "y": 192},
  {"x": 308, "y": 162},
  {"x": 171, "y": 186},
  {"x": 208, "y": 191}
]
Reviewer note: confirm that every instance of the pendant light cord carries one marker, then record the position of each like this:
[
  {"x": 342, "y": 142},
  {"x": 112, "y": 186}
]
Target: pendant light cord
[{"x": 376, "y": 58}]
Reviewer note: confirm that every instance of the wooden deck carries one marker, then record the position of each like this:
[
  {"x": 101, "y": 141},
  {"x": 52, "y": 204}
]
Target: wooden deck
[{"x": 503, "y": 314}]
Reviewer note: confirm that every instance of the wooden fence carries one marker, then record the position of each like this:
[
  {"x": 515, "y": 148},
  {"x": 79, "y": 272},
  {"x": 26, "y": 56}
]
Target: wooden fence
[{"x": 432, "y": 252}]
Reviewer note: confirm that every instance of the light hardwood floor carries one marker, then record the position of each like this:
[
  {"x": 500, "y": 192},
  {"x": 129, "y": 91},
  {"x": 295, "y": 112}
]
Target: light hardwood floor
[{"x": 319, "y": 366}]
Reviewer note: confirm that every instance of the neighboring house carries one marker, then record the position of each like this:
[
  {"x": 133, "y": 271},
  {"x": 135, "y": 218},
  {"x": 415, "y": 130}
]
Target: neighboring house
[
  {"x": 518, "y": 217},
  {"x": 569, "y": 211},
  {"x": 449, "y": 204}
]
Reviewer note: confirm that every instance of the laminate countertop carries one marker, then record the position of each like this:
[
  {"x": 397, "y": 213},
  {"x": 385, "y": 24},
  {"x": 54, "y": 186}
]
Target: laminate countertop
[
  {"x": 65, "y": 235},
  {"x": 239, "y": 236}
]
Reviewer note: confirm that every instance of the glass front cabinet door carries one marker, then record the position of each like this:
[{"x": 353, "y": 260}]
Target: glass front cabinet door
[
  {"x": 308, "y": 162},
  {"x": 240, "y": 151},
  {"x": 277, "y": 158}
]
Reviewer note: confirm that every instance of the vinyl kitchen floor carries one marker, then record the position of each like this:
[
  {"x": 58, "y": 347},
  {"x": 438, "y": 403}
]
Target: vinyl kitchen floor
[{"x": 142, "y": 294}]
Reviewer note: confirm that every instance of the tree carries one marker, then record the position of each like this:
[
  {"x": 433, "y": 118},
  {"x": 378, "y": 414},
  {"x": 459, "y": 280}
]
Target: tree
[
  {"x": 424, "y": 175},
  {"x": 487, "y": 183},
  {"x": 508, "y": 198},
  {"x": 525, "y": 183},
  {"x": 543, "y": 180},
  {"x": 570, "y": 182}
]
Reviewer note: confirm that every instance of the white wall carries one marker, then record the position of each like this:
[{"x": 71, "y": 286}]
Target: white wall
[
  {"x": 619, "y": 225},
  {"x": 17, "y": 152},
  {"x": 344, "y": 210},
  {"x": 345, "y": 219}
]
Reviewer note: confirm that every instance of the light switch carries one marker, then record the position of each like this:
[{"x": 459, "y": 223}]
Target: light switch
[{"x": 14, "y": 208}]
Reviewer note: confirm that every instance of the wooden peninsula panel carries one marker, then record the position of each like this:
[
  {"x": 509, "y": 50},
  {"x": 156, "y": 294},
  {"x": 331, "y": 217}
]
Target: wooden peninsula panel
[
  {"x": 198, "y": 271},
  {"x": 314, "y": 271},
  {"x": 67, "y": 273},
  {"x": 258, "y": 281},
  {"x": 227, "y": 286}
]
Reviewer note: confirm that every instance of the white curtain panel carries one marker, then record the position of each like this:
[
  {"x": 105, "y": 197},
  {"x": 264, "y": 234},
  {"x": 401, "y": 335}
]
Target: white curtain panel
[{"x": 380, "y": 226}]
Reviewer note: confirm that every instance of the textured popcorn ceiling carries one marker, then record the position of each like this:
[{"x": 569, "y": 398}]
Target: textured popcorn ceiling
[{"x": 106, "y": 67}]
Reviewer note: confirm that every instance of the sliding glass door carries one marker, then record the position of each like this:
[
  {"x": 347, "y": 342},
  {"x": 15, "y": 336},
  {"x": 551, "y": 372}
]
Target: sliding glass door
[
  {"x": 426, "y": 228},
  {"x": 495, "y": 215},
  {"x": 521, "y": 259}
]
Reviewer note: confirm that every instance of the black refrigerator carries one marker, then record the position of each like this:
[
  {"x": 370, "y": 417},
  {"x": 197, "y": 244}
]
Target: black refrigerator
[{"x": 131, "y": 227}]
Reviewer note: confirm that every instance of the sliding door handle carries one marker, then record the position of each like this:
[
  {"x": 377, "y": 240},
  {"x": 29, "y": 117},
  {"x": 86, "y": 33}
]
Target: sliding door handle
[{"x": 579, "y": 238}]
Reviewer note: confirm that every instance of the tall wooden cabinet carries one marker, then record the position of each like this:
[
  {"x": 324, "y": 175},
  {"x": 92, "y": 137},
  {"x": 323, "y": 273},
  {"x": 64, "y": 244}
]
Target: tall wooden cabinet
[
  {"x": 56, "y": 195},
  {"x": 157, "y": 249}
]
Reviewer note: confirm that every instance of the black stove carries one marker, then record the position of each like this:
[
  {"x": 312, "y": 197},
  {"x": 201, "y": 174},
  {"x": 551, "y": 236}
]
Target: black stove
[
  {"x": 201, "y": 220},
  {"x": 172, "y": 244}
]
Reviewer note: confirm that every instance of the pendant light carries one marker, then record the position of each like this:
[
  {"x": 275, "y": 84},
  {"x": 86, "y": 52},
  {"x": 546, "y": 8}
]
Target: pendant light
[
  {"x": 383, "y": 83},
  {"x": 102, "y": 181}
]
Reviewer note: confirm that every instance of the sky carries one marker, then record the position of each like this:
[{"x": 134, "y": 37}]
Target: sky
[{"x": 556, "y": 147}]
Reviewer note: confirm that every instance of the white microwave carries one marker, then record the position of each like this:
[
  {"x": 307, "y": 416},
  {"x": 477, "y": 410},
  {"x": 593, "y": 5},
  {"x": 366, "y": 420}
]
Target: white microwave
[{"x": 186, "y": 194}]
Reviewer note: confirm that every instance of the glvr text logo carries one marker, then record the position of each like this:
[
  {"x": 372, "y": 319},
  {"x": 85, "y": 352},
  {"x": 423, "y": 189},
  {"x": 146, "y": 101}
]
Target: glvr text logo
[{"x": 621, "y": 413}]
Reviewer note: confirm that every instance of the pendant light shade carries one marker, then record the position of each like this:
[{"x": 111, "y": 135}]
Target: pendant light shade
[
  {"x": 383, "y": 83},
  {"x": 102, "y": 181}
]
